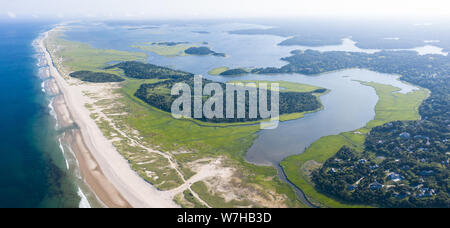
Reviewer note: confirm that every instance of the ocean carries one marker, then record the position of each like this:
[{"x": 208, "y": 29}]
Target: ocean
[{"x": 33, "y": 170}]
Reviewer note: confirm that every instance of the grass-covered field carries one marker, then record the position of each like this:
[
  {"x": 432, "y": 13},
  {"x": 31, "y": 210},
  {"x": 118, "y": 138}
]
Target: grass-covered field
[
  {"x": 390, "y": 107},
  {"x": 217, "y": 70},
  {"x": 165, "y": 50},
  {"x": 284, "y": 86}
]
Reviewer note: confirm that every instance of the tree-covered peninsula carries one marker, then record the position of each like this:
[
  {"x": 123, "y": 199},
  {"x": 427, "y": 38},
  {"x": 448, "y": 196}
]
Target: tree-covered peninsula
[{"x": 96, "y": 77}]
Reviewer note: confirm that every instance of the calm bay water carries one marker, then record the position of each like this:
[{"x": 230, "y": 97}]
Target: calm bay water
[
  {"x": 349, "y": 106},
  {"x": 33, "y": 170}
]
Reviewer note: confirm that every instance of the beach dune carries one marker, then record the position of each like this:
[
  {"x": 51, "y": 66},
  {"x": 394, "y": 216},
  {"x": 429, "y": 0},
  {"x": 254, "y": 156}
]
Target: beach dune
[{"x": 102, "y": 167}]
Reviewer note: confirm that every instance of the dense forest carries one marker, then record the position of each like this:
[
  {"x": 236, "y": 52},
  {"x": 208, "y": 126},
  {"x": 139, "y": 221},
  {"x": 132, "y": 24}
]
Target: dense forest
[
  {"x": 96, "y": 77},
  {"x": 202, "y": 51},
  {"x": 234, "y": 72},
  {"x": 141, "y": 70},
  {"x": 414, "y": 153},
  {"x": 158, "y": 95},
  {"x": 198, "y": 51}
]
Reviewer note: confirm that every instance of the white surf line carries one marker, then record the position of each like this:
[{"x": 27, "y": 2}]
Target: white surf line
[{"x": 115, "y": 167}]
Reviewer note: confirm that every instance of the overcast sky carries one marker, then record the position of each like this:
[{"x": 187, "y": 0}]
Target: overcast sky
[{"x": 184, "y": 9}]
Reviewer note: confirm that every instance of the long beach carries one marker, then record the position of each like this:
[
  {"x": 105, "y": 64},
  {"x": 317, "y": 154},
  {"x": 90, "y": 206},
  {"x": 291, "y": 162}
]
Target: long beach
[{"x": 106, "y": 172}]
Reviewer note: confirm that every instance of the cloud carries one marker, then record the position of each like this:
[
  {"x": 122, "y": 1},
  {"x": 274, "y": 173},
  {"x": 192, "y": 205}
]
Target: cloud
[
  {"x": 182, "y": 9},
  {"x": 12, "y": 15}
]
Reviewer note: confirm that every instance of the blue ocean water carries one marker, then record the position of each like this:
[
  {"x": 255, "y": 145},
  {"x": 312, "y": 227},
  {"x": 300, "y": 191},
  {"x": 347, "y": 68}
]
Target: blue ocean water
[{"x": 32, "y": 166}]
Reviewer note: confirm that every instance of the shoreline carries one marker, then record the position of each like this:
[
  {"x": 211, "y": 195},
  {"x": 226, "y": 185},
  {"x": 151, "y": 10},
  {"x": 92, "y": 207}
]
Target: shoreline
[{"x": 102, "y": 167}]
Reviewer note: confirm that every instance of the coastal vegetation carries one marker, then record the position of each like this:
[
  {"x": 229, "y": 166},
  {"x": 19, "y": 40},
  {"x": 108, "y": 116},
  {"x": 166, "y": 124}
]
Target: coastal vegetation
[
  {"x": 165, "y": 151},
  {"x": 286, "y": 86},
  {"x": 140, "y": 70},
  {"x": 188, "y": 200},
  {"x": 159, "y": 96},
  {"x": 217, "y": 70},
  {"x": 89, "y": 76},
  {"x": 198, "y": 51},
  {"x": 234, "y": 72},
  {"x": 159, "y": 129},
  {"x": 215, "y": 200},
  {"x": 171, "y": 49},
  {"x": 225, "y": 71},
  {"x": 202, "y": 51},
  {"x": 168, "y": 49}
]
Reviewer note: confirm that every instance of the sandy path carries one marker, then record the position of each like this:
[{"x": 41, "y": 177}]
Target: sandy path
[{"x": 111, "y": 164}]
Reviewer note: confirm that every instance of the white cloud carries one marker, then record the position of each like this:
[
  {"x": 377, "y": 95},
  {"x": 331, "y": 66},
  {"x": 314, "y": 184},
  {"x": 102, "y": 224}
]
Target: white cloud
[{"x": 12, "y": 15}]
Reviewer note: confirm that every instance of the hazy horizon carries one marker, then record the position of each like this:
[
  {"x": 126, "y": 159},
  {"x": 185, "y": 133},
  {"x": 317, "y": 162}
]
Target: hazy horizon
[{"x": 210, "y": 9}]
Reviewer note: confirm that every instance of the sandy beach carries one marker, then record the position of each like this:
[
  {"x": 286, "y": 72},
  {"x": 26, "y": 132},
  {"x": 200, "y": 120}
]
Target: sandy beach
[{"x": 102, "y": 167}]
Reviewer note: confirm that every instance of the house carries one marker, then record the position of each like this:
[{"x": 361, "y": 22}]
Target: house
[
  {"x": 351, "y": 187},
  {"x": 426, "y": 192},
  {"x": 332, "y": 171},
  {"x": 417, "y": 186},
  {"x": 426, "y": 173},
  {"x": 375, "y": 186},
  {"x": 405, "y": 135},
  {"x": 362, "y": 161},
  {"x": 395, "y": 177}
]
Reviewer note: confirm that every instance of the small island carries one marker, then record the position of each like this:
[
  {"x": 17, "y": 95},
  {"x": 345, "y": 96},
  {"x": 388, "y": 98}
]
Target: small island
[{"x": 202, "y": 51}]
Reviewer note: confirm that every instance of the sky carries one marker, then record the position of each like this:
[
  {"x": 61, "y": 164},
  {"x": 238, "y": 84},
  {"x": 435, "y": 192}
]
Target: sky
[{"x": 204, "y": 9}]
